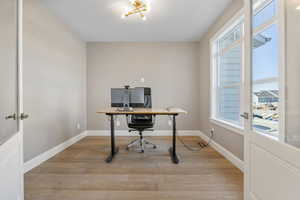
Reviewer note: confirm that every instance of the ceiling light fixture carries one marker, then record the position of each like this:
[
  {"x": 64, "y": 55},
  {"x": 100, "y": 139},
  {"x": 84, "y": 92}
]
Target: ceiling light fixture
[
  {"x": 298, "y": 8},
  {"x": 139, "y": 7}
]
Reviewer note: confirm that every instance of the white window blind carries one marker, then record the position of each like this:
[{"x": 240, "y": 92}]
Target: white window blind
[{"x": 228, "y": 61}]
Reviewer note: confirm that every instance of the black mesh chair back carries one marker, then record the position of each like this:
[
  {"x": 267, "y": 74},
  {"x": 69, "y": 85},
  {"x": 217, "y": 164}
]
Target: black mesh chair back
[{"x": 141, "y": 122}]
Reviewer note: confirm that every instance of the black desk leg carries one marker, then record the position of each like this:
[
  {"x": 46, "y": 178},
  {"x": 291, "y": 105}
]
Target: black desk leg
[
  {"x": 114, "y": 150},
  {"x": 172, "y": 150}
]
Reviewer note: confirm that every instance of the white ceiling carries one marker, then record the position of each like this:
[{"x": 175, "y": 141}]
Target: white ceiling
[{"x": 168, "y": 20}]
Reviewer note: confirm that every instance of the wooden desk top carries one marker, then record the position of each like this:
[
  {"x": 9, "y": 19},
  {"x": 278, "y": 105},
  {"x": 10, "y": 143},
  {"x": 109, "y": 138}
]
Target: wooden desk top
[{"x": 153, "y": 111}]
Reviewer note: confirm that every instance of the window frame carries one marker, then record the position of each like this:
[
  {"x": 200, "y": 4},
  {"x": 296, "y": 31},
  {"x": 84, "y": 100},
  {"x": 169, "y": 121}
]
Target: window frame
[
  {"x": 234, "y": 21},
  {"x": 278, "y": 19}
]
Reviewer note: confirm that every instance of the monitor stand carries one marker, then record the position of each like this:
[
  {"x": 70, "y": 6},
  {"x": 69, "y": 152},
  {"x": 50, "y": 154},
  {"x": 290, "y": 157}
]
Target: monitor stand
[{"x": 127, "y": 109}]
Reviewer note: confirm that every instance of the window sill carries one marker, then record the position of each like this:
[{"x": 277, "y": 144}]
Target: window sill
[{"x": 228, "y": 126}]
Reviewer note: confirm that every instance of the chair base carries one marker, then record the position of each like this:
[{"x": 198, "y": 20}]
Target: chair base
[{"x": 140, "y": 143}]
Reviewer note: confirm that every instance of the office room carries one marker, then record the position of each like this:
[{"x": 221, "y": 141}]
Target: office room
[{"x": 149, "y": 99}]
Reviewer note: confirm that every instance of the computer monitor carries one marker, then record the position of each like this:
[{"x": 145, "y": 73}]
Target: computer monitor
[
  {"x": 119, "y": 97},
  {"x": 122, "y": 97},
  {"x": 137, "y": 97}
]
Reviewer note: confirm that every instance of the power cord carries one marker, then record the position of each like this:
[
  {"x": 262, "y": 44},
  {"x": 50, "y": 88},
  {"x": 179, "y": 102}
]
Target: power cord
[{"x": 201, "y": 144}]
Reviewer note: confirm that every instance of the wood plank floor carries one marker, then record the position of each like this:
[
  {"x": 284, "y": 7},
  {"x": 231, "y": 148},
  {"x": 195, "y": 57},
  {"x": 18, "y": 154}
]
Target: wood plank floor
[{"x": 80, "y": 173}]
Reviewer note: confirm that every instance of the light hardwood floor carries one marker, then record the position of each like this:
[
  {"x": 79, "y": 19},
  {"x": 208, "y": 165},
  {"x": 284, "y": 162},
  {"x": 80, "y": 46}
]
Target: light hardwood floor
[{"x": 80, "y": 173}]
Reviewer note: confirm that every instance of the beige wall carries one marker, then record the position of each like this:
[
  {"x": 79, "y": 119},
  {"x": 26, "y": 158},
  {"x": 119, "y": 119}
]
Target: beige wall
[
  {"x": 228, "y": 139},
  {"x": 54, "y": 80},
  {"x": 170, "y": 69}
]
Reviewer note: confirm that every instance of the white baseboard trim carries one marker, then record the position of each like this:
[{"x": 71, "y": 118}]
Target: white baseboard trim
[
  {"x": 29, "y": 165},
  {"x": 154, "y": 133},
  {"x": 227, "y": 154}
]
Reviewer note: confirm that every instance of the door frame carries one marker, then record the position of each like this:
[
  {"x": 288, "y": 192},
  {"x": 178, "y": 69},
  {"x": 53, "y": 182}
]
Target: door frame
[
  {"x": 247, "y": 100},
  {"x": 20, "y": 91}
]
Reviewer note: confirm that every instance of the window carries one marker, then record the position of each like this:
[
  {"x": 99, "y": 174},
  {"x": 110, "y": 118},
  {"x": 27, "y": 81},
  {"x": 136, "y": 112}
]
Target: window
[
  {"x": 265, "y": 67},
  {"x": 227, "y": 69},
  {"x": 264, "y": 10}
]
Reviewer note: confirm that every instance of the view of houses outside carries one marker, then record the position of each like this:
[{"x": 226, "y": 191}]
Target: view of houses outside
[{"x": 265, "y": 111}]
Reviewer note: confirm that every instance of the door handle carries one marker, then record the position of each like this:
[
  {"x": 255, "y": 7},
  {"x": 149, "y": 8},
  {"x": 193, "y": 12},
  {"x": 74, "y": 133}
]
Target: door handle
[
  {"x": 13, "y": 117},
  {"x": 24, "y": 116},
  {"x": 245, "y": 115}
]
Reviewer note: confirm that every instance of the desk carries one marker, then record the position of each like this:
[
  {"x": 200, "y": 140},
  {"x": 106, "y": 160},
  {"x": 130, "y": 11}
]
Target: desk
[{"x": 142, "y": 111}]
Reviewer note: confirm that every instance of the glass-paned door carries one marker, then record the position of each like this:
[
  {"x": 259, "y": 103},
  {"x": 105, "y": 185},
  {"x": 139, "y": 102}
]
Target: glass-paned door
[
  {"x": 292, "y": 81},
  {"x": 8, "y": 69},
  {"x": 272, "y": 167},
  {"x": 11, "y": 152},
  {"x": 265, "y": 69}
]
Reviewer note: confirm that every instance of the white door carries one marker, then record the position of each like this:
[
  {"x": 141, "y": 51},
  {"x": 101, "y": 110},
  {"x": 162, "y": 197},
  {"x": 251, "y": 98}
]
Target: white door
[
  {"x": 272, "y": 141},
  {"x": 11, "y": 158}
]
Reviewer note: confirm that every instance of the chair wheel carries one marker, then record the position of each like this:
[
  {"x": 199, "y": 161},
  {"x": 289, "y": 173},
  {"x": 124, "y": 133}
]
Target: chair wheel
[
  {"x": 142, "y": 151},
  {"x": 127, "y": 148},
  {"x": 154, "y": 147}
]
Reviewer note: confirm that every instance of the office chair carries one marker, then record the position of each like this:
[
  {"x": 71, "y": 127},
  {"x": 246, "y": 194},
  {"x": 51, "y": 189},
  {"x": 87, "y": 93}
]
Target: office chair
[{"x": 141, "y": 123}]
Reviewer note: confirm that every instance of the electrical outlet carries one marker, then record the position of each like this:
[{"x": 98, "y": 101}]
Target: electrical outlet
[
  {"x": 170, "y": 122},
  {"x": 212, "y": 132},
  {"x": 118, "y": 123},
  {"x": 78, "y": 126}
]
